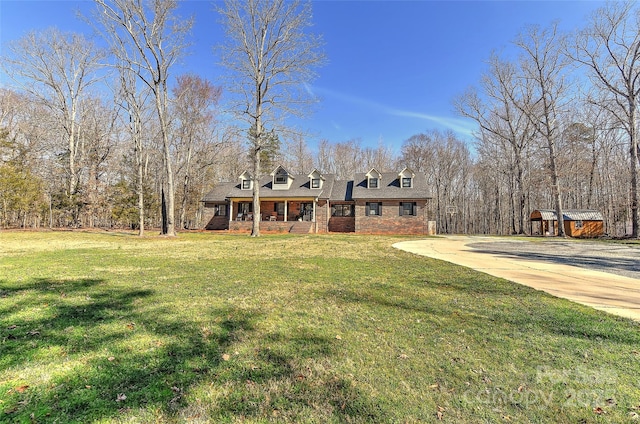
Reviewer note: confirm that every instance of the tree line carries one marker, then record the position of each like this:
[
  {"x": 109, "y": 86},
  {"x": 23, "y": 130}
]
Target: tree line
[{"x": 105, "y": 137}]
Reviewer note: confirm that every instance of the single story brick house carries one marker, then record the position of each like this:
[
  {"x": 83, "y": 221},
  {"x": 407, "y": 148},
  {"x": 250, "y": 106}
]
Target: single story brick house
[{"x": 373, "y": 202}]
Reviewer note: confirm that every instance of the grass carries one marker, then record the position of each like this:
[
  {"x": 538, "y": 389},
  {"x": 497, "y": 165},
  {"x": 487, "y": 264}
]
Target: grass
[{"x": 110, "y": 328}]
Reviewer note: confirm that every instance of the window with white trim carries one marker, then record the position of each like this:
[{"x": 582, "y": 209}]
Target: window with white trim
[
  {"x": 315, "y": 183},
  {"x": 246, "y": 184},
  {"x": 406, "y": 182}
]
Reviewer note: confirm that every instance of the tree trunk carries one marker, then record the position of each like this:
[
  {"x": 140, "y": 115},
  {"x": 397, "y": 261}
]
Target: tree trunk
[
  {"x": 165, "y": 228},
  {"x": 168, "y": 210},
  {"x": 592, "y": 173},
  {"x": 635, "y": 218},
  {"x": 140, "y": 188},
  {"x": 185, "y": 188},
  {"x": 512, "y": 204},
  {"x": 556, "y": 187},
  {"x": 255, "y": 226},
  {"x": 257, "y": 145},
  {"x": 522, "y": 198},
  {"x": 73, "y": 176},
  {"x": 183, "y": 205}
]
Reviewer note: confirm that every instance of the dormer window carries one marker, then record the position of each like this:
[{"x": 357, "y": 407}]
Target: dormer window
[
  {"x": 280, "y": 179},
  {"x": 374, "y": 178},
  {"x": 315, "y": 179},
  {"x": 245, "y": 181},
  {"x": 406, "y": 178}
]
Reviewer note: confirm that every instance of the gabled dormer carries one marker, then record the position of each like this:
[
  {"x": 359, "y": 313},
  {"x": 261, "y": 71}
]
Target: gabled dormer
[
  {"x": 374, "y": 179},
  {"x": 406, "y": 177},
  {"x": 316, "y": 179},
  {"x": 246, "y": 182},
  {"x": 281, "y": 179}
]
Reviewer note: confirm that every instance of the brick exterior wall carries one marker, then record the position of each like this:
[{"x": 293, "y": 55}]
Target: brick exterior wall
[
  {"x": 214, "y": 222},
  {"x": 322, "y": 216},
  {"x": 390, "y": 221},
  {"x": 342, "y": 224},
  {"x": 265, "y": 226}
]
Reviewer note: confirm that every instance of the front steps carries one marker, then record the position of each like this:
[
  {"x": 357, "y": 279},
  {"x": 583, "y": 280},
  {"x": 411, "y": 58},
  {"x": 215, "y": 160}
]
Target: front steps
[{"x": 301, "y": 227}]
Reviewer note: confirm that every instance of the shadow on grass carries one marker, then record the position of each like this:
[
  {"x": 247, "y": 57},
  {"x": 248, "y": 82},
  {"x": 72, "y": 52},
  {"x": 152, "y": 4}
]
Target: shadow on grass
[
  {"x": 468, "y": 303},
  {"x": 49, "y": 313},
  {"x": 84, "y": 350}
]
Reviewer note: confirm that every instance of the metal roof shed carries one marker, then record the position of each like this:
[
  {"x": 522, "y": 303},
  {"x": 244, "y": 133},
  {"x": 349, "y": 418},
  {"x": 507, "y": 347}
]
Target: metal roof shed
[{"x": 577, "y": 222}]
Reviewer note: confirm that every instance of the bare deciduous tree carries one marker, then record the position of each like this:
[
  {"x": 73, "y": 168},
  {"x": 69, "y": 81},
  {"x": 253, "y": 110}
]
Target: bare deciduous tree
[
  {"x": 272, "y": 55},
  {"x": 543, "y": 64},
  {"x": 193, "y": 100},
  {"x": 297, "y": 156},
  {"x": 134, "y": 101},
  {"x": 97, "y": 140},
  {"x": 447, "y": 164},
  {"x": 381, "y": 157},
  {"x": 501, "y": 121},
  {"x": 609, "y": 48},
  {"x": 57, "y": 69},
  {"x": 150, "y": 38}
]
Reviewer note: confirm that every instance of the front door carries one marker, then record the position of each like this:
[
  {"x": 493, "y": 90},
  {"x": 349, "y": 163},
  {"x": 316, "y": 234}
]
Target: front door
[{"x": 306, "y": 210}]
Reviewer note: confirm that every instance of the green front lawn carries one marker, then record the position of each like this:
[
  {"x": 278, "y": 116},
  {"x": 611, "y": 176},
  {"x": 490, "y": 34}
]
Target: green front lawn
[{"x": 107, "y": 327}]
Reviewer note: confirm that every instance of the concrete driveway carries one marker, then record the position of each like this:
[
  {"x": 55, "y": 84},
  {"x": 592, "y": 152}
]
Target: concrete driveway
[{"x": 601, "y": 275}]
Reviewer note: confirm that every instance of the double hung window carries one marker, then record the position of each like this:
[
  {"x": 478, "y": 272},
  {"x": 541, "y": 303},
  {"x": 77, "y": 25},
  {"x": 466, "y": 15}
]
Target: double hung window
[
  {"x": 342, "y": 210},
  {"x": 373, "y": 209},
  {"x": 407, "y": 208}
]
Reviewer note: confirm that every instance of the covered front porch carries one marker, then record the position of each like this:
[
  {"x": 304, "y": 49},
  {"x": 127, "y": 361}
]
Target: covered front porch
[{"x": 275, "y": 210}]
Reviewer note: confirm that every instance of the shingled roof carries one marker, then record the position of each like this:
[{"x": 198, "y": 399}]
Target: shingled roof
[
  {"x": 332, "y": 189},
  {"x": 390, "y": 188},
  {"x": 300, "y": 187},
  {"x": 342, "y": 191}
]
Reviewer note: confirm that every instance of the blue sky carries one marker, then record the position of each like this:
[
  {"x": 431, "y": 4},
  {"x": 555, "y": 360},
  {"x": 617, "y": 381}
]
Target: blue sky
[{"x": 393, "y": 66}]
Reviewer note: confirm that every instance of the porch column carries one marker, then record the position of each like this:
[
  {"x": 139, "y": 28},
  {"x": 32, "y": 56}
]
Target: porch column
[
  {"x": 230, "y": 211},
  {"x": 286, "y": 209},
  {"x": 313, "y": 214}
]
